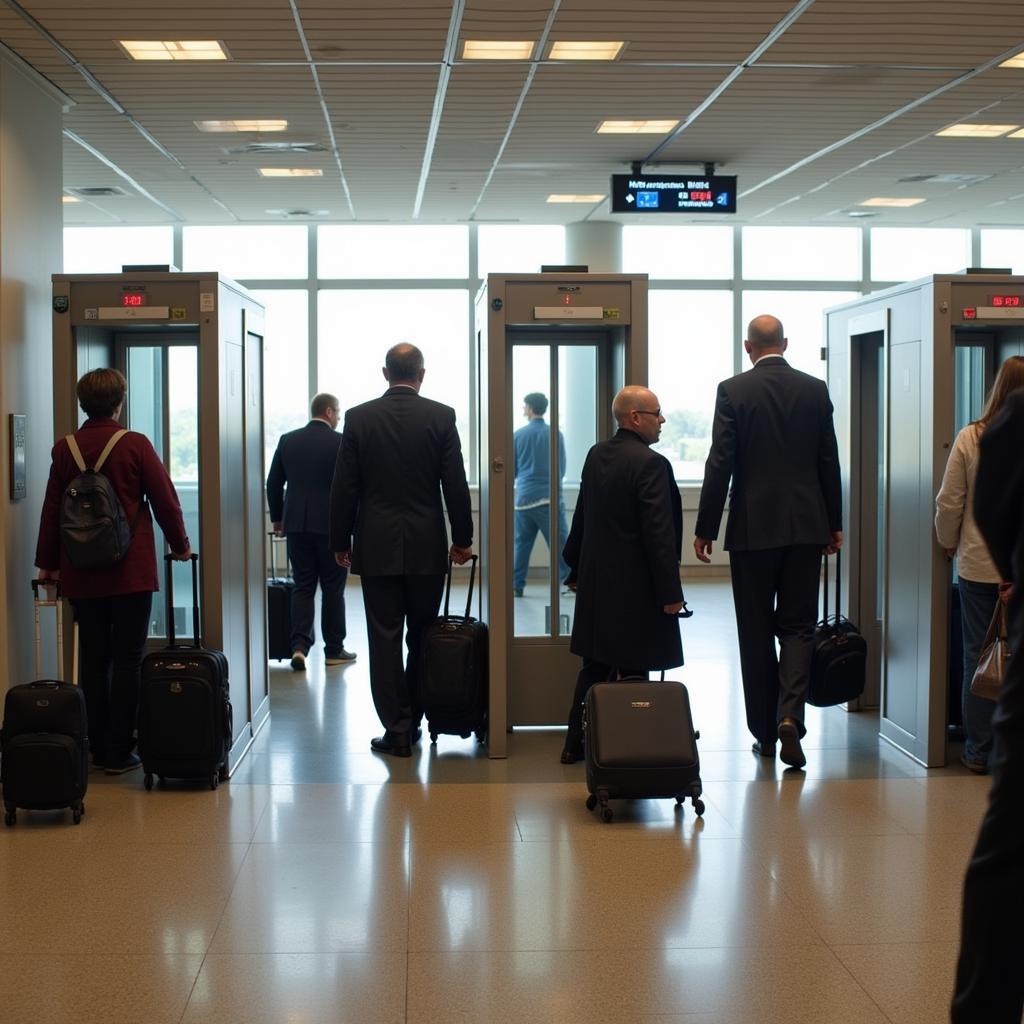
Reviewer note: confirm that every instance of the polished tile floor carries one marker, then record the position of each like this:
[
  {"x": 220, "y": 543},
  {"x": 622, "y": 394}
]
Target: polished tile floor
[{"x": 329, "y": 884}]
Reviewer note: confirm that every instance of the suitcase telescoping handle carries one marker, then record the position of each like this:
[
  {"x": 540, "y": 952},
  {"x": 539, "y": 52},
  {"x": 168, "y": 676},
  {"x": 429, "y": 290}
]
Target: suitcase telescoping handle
[
  {"x": 273, "y": 559},
  {"x": 824, "y": 587},
  {"x": 169, "y": 601},
  {"x": 448, "y": 586},
  {"x": 57, "y": 604}
]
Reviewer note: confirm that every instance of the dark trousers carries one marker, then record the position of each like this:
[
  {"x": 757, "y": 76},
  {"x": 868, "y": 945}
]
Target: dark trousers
[
  {"x": 775, "y": 592},
  {"x": 112, "y": 635},
  {"x": 397, "y": 604},
  {"x": 312, "y": 563},
  {"x": 989, "y": 980},
  {"x": 977, "y": 603},
  {"x": 591, "y": 672}
]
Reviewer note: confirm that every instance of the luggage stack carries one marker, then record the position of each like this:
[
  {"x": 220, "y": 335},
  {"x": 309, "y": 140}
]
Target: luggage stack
[
  {"x": 279, "y": 609},
  {"x": 453, "y": 675},
  {"x": 44, "y": 741},
  {"x": 185, "y": 724}
]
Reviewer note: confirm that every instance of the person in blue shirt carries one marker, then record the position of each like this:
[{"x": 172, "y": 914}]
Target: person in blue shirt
[{"x": 532, "y": 501}]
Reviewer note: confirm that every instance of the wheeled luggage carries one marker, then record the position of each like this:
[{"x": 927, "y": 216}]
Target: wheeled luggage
[
  {"x": 640, "y": 743},
  {"x": 279, "y": 610},
  {"x": 184, "y": 704},
  {"x": 839, "y": 661},
  {"x": 44, "y": 742},
  {"x": 453, "y": 670}
]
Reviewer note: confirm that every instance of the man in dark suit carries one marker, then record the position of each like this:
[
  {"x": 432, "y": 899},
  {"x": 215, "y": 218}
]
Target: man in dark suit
[
  {"x": 773, "y": 435},
  {"x": 298, "y": 493},
  {"x": 989, "y": 982},
  {"x": 623, "y": 553},
  {"x": 398, "y": 454}
]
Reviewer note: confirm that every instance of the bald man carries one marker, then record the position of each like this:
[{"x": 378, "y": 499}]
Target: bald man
[
  {"x": 623, "y": 554},
  {"x": 773, "y": 437}
]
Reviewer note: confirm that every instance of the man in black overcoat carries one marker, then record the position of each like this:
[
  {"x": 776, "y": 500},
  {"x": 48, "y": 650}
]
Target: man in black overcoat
[
  {"x": 298, "y": 494},
  {"x": 623, "y": 553},
  {"x": 399, "y": 453},
  {"x": 773, "y": 436},
  {"x": 989, "y": 980}
]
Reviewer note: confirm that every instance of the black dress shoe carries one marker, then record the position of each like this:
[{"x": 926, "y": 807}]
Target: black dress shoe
[
  {"x": 392, "y": 745},
  {"x": 789, "y": 740},
  {"x": 763, "y": 749}
]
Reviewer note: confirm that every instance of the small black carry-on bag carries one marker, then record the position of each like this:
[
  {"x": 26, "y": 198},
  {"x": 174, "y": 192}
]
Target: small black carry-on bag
[
  {"x": 184, "y": 704},
  {"x": 44, "y": 741},
  {"x": 839, "y": 662},
  {"x": 279, "y": 610},
  {"x": 640, "y": 743},
  {"x": 453, "y": 670}
]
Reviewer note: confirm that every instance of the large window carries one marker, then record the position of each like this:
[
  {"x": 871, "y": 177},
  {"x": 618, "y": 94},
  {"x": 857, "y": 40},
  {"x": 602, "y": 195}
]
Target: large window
[
  {"x": 518, "y": 249},
  {"x": 795, "y": 254},
  {"x": 687, "y": 252},
  {"x": 266, "y": 251},
  {"x": 377, "y": 252},
  {"x": 903, "y": 254},
  {"x": 1003, "y": 248},
  {"x": 690, "y": 351},
  {"x": 356, "y": 328},
  {"x": 106, "y": 250}
]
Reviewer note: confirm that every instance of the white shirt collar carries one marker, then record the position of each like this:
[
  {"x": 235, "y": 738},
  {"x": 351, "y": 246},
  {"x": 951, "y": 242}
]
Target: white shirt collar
[{"x": 771, "y": 355}]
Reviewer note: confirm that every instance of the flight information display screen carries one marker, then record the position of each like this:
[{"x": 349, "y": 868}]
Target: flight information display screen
[{"x": 684, "y": 193}]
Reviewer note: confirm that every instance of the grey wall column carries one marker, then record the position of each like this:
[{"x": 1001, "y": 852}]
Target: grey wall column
[{"x": 597, "y": 244}]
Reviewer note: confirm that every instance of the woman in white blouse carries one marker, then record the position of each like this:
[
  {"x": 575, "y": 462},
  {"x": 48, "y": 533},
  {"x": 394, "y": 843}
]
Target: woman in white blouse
[{"x": 980, "y": 583}]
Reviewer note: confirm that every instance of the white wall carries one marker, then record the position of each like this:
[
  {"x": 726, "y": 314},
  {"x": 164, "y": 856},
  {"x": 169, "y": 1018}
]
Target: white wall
[{"x": 30, "y": 251}]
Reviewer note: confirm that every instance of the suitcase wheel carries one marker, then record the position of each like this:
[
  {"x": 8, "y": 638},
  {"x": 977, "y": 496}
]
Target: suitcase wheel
[
  {"x": 591, "y": 802},
  {"x": 606, "y": 814},
  {"x": 698, "y": 806},
  {"x": 222, "y": 772},
  {"x": 215, "y": 779},
  {"x": 10, "y": 818},
  {"x": 696, "y": 735},
  {"x": 481, "y": 735},
  {"x": 433, "y": 736},
  {"x": 76, "y": 816},
  {"x": 148, "y": 780}
]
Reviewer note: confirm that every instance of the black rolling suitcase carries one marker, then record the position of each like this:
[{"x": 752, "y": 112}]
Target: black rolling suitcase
[
  {"x": 279, "y": 611},
  {"x": 44, "y": 743},
  {"x": 453, "y": 670},
  {"x": 839, "y": 661},
  {"x": 640, "y": 743},
  {"x": 184, "y": 704}
]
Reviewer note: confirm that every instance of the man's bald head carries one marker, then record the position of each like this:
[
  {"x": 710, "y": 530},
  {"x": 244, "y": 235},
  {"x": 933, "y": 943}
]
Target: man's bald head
[
  {"x": 764, "y": 335},
  {"x": 404, "y": 364},
  {"x": 631, "y": 398}
]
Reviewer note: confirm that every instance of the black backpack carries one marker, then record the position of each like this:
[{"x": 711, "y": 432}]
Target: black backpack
[{"x": 93, "y": 526}]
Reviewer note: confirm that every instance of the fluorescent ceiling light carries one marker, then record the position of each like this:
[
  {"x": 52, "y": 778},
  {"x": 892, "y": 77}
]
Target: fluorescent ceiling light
[
  {"x": 70, "y": 199},
  {"x": 182, "y": 49},
  {"x": 1017, "y": 134},
  {"x": 891, "y": 201},
  {"x": 581, "y": 50},
  {"x": 977, "y": 131},
  {"x": 291, "y": 172},
  {"x": 556, "y": 197},
  {"x": 241, "y": 126},
  {"x": 1014, "y": 62},
  {"x": 636, "y": 127},
  {"x": 497, "y": 49}
]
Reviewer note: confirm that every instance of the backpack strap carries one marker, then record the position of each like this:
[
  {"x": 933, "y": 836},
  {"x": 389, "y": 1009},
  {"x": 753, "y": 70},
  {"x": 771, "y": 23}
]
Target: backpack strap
[
  {"x": 76, "y": 452},
  {"x": 108, "y": 449}
]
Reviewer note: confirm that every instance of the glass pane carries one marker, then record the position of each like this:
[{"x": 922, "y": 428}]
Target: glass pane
[
  {"x": 531, "y": 500},
  {"x": 106, "y": 250},
  {"x": 356, "y": 328},
  {"x": 802, "y": 316},
  {"x": 183, "y": 409},
  {"x": 577, "y": 422},
  {"x": 272, "y": 250},
  {"x": 1003, "y": 249},
  {"x": 392, "y": 251},
  {"x": 902, "y": 254},
  {"x": 690, "y": 350},
  {"x": 679, "y": 252},
  {"x": 519, "y": 248},
  {"x": 286, "y": 395},
  {"x": 799, "y": 254}
]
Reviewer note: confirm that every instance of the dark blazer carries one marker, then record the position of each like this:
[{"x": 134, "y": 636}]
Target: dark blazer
[
  {"x": 398, "y": 454},
  {"x": 304, "y": 460},
  {"x": 773, "y": 435},
  {"x": 140, "y": 480},
  {"x": 623, "y": 551}
]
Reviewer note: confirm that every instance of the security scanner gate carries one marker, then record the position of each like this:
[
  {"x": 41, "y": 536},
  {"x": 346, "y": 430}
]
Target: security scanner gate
[
  {"x": 191, "y": 348},
  {"x": 573, "y": 340},
  {"x": 908, "y": 367}
]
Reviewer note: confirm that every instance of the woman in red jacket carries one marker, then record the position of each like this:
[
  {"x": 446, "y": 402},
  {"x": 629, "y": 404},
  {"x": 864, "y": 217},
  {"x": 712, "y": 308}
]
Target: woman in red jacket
[{"x": 112, "y": 604}]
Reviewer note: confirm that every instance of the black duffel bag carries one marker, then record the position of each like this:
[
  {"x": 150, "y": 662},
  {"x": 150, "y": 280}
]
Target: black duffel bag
[{"x": 839, "y": 662}]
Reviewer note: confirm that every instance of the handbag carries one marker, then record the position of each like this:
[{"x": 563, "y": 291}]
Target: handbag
[
  {"x": 995, "y": 658},
  {"x": 839, "y": 661}
]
